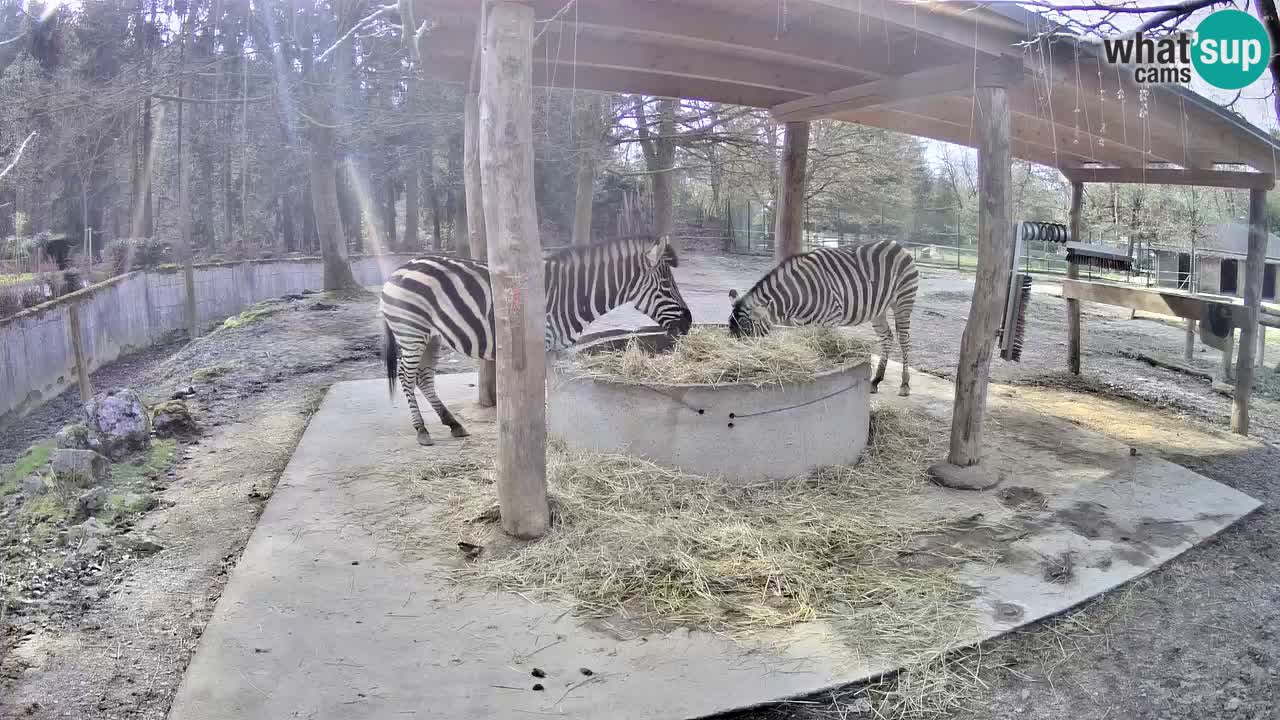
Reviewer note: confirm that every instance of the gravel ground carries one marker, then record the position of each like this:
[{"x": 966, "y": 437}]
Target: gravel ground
[{"x": 1195, "y": 639}]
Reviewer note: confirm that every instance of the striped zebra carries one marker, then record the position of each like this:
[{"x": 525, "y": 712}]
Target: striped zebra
[
  {"x": 837, "y": 286},
  {"x": 437, "y": 298}
]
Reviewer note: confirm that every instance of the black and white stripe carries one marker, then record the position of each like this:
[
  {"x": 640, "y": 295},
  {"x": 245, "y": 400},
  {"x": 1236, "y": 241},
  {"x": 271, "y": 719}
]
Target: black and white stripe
[
  {"x": 837, "y": 286},
  {"x": 434, "y": 299}
]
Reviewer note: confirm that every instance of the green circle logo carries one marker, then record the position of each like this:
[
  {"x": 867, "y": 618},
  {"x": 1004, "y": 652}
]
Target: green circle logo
[{"x": 1231, "y": 49}]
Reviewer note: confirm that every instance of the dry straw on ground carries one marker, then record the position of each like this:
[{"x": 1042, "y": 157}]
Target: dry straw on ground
[
  {"x": 640, "y": 543},
  {"x": 710, "y": 356}
]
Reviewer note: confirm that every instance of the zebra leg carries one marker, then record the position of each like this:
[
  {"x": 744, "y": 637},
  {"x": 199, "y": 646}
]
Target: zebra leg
[
  {"x": 881, "y": 324},
  {"x": 902, "y": 321},
  {"x": 427, "y": 381},
  {"x": 408, "y": 373}
]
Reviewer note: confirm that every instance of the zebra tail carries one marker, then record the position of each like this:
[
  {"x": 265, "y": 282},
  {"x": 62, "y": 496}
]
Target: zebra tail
[{"x": 391, "y": 354}]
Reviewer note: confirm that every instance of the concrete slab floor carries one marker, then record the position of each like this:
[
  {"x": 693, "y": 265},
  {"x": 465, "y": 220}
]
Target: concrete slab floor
[{"x": 325, "y": 617}]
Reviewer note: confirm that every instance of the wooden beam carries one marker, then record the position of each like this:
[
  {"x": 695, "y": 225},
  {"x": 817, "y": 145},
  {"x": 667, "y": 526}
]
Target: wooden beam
[
  {"x": 515, "y": 267},
  {"x": 788, "y": 234},
  {"x": 1171, "y": 176},
  {"x": 963, "y": 26},
  {"x": 1073, "y": 272},
  {"x": 1255, "y": 265},
  {"x": 77, "y": 350},
  {"x": 1152, "y": 300},
  {"x": 886, "y": 91},
  {"x": 477, "y": 242},
  {"x": 995, "y": 246}
]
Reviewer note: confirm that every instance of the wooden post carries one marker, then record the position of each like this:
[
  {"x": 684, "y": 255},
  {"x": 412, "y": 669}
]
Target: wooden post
[
  {"x": 1254, "y": 267},
  {"x": 1224, "y": 373},
  {"x": 515, "y": 266},
  {"x": 1262, "y": 346},
  {"x": 995, "y": 248},
  {"x": 788, "y": 228},
  {"x": 486, "y": 390},
  {"x": 1073, "y": 272},
  {"x": 77, "y": 349},
  {"x": 1189, "y": 349}
]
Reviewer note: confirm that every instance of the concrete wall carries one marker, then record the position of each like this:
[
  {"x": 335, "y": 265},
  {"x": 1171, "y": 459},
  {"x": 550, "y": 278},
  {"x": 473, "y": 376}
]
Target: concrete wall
[{"x": 133, "y": 311}]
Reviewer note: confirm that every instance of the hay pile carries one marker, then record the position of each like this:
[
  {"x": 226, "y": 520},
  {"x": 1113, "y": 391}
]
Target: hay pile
[
  {"x": 710, "y": 356},
  {"x": 644, "y": 543}
]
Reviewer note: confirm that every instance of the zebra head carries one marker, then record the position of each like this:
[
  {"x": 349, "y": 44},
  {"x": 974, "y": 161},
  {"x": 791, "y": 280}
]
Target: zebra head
[
  {"x": 747, "y": 317},
  {"x": 657, "y": 294}
]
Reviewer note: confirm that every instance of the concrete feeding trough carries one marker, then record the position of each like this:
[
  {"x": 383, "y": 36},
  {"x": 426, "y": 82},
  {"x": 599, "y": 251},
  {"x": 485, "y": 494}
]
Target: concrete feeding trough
[{"x": 738, "y": 432}]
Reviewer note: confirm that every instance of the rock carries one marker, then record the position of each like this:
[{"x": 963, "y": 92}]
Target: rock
[
  {"x": 1233, "y": 704},
  {"x": 184, "y": 393},
  {"x": 118, "y": 423},
  {"x": 861, "y": 706},
  {"x": 93, "y": 528},
  {"x": 323, "y": 306},
  {"x": 90, "y": 546},
  {"x": 79, "y": 468},
  {"x": 172, "y": 419},
  {"x": 33, "y": 485},
  {"x": 91, "y": 502},
  {"x": 73, "y": 437},
  {"x": 141, "y": 544}
]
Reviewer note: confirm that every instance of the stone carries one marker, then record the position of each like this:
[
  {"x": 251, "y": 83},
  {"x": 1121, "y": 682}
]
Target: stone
[
  {"x": 172, "y": 419},
  {"x": 33, "y": 485},
  {"x": 79, "y": 468},
  {"x": 974, "y": 477},
  {"x": 1233, "y": 704},
  {"x": 73, "y": 437},
  {"x": 91, "y": 501},
  {"x": 861, "y": 706},
  {"x": 119, "y": 423},
  {"x": 141, "y": 544}
]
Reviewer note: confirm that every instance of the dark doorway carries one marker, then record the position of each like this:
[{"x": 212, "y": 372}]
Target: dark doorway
[
  {"x": 1184, "y": 271},
  {"x": 1269, "y": 282},
  {"x": 1227, "y": 283}
]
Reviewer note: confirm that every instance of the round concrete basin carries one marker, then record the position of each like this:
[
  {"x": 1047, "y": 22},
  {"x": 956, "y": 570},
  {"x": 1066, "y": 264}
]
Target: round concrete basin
[{"x": 741, "y": 433}]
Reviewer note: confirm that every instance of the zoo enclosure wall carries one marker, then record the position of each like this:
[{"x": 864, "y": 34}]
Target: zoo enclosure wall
[{"x": 139, "y": 309}]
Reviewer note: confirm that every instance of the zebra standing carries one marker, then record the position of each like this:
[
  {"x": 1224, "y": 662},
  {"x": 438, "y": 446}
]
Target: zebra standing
[
  {"x": 438, "y": 298},
  {"x": 837, "y": 286}
]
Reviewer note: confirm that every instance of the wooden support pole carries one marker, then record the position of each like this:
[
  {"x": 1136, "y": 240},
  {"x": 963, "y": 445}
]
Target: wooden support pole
[
  {"x": 788, "y": 228},
  {"x": 995, "y": 245},
  {"x": 1255, "y": 264},
  {"x": 476, "y": 239},
  {"x": 486, "y": 386},
  {"x": 1189, "y": 349},
  {"x": 1262, "y": 346},
  {"x": 77, "y": 349},
  {"x": 1073, "y": 272},
  {"x": 515, "y": 267},
  {"x": 1229, "y": 346}
]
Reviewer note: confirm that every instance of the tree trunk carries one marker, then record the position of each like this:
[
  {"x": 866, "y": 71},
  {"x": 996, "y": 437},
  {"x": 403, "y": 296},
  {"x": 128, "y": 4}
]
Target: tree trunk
[
  {"x": 1255, "y": 264},
  {"x": 287, "y": 239},
  {"x": 184, "y": 200},
  {"x": 789, "y": 222},
  {"x": 515, "y": 267},
  {"x": 324, "y": 204},
  {"x": 389, "y": 212},
  {"x": 1073, "y": 272},
  {"x": 590, "y": 121},
  {"x": 412, "y": 242},
  {"x": 486, "y": 386},
  {"x": 144, "y": 223}
]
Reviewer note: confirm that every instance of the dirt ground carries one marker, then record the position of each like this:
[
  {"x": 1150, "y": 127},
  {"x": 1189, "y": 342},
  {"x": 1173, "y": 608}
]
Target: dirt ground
[{"x": 1194, "y": 639}]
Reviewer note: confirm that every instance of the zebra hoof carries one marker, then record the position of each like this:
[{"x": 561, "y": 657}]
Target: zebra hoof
[
  {"x": 424, "y": 439},
  {"x": 459, "y": 431},
  {"x": 875, "y": 388},
  {"x": 904, "y": 391}
]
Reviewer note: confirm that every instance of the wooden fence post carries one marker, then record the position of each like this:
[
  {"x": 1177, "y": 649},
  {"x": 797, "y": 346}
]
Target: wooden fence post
[
  {"x": 1073, "y": 272},
  {"x": 1255, "y": 266},
  {"x": 77, "y": 349},
  {"x": 515, "y": 267},
  {"x": 788, "y": 229}
]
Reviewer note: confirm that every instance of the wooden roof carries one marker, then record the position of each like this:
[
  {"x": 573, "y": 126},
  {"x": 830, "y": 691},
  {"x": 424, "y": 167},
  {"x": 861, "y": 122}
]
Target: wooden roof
[{"x": 902, "y": 66}]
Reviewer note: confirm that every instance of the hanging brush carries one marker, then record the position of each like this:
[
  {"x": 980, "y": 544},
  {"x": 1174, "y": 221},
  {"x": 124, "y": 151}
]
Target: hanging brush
[{"x": 1020, "y": 317}]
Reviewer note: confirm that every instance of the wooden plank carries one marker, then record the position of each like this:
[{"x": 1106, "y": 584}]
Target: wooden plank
[
  {"x": 974, "y": 29},
  {"x": 477, "y": 242},
  {"x": 886, "y": 91},
  {"x": 515, "y": 267},
  {"x": 77, "y": 350},
  {"x": 1189, "y": 346},
  {"x": 1254, "y": 267},
  {"x": 1172, "y": 176},
  {"x": 1073, "y": 272},
  {"x": 995, "y": 244},
  {"x": 789, "y": 222}
]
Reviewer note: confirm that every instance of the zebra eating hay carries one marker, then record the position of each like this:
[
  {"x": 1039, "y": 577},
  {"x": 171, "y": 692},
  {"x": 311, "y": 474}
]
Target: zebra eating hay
[
  {"x": 438, "y": 298},
  {"x": 837, "y": 286}
]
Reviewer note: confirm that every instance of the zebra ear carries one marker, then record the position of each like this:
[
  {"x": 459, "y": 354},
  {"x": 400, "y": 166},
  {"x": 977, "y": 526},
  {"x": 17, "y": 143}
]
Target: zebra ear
[{"x": 733, "y": 294}]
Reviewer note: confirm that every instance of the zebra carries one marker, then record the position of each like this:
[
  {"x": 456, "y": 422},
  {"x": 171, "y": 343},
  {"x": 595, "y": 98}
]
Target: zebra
[
  {"x": 438, "y": 298},
  {"x": 836, "y": 286}
]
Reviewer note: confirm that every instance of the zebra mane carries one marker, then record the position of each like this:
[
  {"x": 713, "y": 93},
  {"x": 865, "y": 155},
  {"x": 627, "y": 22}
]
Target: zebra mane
[{"x": 641, "y": 243}]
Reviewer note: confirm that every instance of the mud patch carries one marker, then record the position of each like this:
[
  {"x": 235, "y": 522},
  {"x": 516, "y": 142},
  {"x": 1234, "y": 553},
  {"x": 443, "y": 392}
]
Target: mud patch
[
  {"x": 1008, "y": 612},
  {"x": 1088, "y": 520},
  {"x": 1059, "y": 569},
  {"x": 1164, "y": 533},
  {"x": 1022, "y": 497}
]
